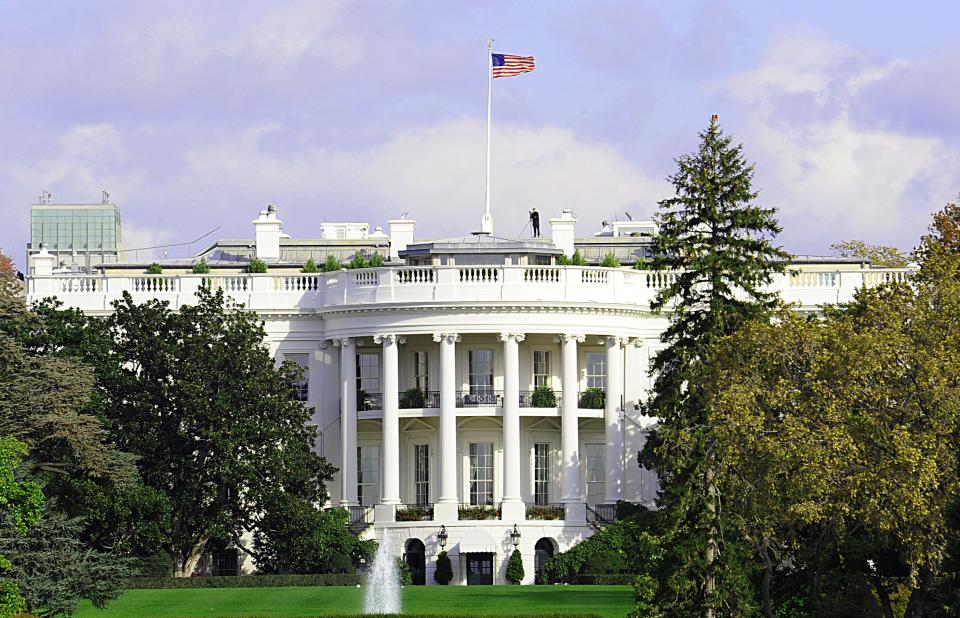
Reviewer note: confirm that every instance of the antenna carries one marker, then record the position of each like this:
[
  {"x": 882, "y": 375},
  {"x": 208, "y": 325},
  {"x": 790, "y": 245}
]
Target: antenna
[
  {"x": 404, "y": 214},
  {"x": 104, "y": 197},
  {"x": 629, "y": 216}
]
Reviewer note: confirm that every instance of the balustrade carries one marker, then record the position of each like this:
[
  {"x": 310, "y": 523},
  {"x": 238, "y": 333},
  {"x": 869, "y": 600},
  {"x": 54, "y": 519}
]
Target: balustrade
[
  {"x": 415, "y": 275},
  {"x": 156, "y": 285},
  {"x": 297, "y": 283},
  {"x": 466, "y": 399},
  {"x": 541, "y": 274},
  {"x": 479, "y": 274}
]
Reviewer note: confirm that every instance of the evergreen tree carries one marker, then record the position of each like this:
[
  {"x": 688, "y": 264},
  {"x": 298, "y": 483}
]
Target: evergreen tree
[
  {"x": 515, "y": 568},
  {"x": 444, "y": 572},
  {"x": 716, "y": 240}
]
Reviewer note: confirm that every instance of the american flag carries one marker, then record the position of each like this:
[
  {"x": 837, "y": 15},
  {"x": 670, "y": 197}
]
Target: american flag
[{"x": 505, "y": 65}]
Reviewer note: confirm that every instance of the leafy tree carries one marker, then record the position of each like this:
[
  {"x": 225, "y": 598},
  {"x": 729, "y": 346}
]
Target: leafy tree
[
  {"x": 331, "y": 263},
  {"x": 310, "y": 266},
  {"x": 716, "y": 239},
  {"x": 444, "y": 572},
  {"x": 515, "y": 567},
  {"x": 878, "y": 255},
  {"x": 21, "y": 504},
  {"x": 55, "y": 570},
  {"x": 256, "y": 265},
  {"x": 201, "y": 267}
]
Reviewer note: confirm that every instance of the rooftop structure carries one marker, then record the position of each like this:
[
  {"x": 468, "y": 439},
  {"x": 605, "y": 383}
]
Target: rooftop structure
[{"x": 78, "y": 235}]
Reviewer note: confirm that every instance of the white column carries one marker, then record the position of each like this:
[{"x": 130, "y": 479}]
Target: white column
[
  {"x": 513, "y": 507},
  {"x": 570, "y": 430},
  {"x": 348, "y": 421},
  {"x": 611, "y": 419},
  {"x": 390, "y": 448},
  {"x": 446, "y": 507}
]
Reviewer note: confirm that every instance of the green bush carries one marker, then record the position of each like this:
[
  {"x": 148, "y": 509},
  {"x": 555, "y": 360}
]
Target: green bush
[
  {"x": 358, "y": 261},
  {"x": 376, "y": 260},
  {"x": 403, "y": 572},
  {"x": 478, "y": 512},
  {"x": 543, "y": 397},
  {"x": 610, "y": 261},
  {"x": 310, "y": 266},
  {"x": 641, "y": 264},
  {"x": 444, "y": 572},
  {"x": 604, "y": 561},
  {"x": 515, "y": 567},
  {"x": 256, "y": 265},
  {"x": 415, "y": 513},
  {"x": 593, "y": 398},
  {"x": 155, "y": 565},
  {"x": 563, "y": 260},
  {"x": 201, "y": 267},
  {"x": 412, "y": 398},
  {"x": 245, "y": 581},
  {"x": 331, "y": 264},
  {"x": 577, "y": 259},
  {"x": 154, "y": 269},
  {"x": 545, "y": 512}
]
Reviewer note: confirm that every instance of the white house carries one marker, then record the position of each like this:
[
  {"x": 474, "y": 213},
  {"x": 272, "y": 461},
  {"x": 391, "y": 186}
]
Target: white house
[{"x": 423, "y": 374}]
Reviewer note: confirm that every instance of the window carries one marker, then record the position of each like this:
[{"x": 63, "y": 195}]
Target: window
[
  {"x": 827, "y": 280},
  {"x": 541, "y": 368},
  {"x": 302, "y": 386},
  {"x": 421, "y": 371},
  {"x": 596, "y": 370},
  {"x": 368, "y": 475},
  {"x": 480, "y": 364},
  {"x": 421, "y": 473},
  {"x": 481, "y": 473},
  {"x": 368, "y": 373},
  {"x": 595, "y": 472},
  {"x": 541, "y": 473}
]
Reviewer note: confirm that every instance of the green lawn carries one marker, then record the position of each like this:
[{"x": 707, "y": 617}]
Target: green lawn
[{"x": 612, "y": 601}]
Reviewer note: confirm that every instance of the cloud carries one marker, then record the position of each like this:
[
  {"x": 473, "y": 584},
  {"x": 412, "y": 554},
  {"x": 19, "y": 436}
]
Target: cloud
[{"x": 831, "y": 176}]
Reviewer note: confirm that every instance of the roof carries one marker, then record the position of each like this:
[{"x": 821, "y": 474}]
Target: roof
[{"x": 482, "y": 244}]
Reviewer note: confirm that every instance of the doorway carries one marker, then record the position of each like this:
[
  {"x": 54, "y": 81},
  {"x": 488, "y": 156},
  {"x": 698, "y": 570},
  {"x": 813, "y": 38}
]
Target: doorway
[
  {"x": 415, "y": 556},
  {"x": 480, "y": 569},
  {"x": 543, "y": 551}
]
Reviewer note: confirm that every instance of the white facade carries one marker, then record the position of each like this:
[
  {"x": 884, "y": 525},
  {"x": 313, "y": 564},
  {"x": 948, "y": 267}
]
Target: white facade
[{"x": 476, "y": 332}]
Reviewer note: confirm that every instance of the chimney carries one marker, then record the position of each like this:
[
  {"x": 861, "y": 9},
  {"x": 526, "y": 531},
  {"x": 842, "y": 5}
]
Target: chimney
[
  {"x": 268, "y": 230},
  {"x": 563, "y": 229},
  {"x": 43, "y": 263},
  {"x": 401, "y": 235}
]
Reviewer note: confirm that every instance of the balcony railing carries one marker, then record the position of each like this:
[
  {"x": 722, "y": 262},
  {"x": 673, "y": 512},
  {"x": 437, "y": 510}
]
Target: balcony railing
[
  {"x": 478, "y": 511},
  {"x": 466, "y": 399},
  {"x": 369, "y": 401},
  {"x": 539, "y": 399},
  {"x": 601, "y": 514},
  {"x": 415, "y": 512},
  {"x": 549, "y": 512},
  {"x": 412, "y": 398}
]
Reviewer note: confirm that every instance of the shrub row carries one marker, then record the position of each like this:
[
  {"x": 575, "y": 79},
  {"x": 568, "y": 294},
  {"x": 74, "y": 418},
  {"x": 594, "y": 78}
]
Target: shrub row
[
  {"x": 246, "y": 581},
  {"x": 606, "y": 579},
  {"x": 542, "y": 615}
]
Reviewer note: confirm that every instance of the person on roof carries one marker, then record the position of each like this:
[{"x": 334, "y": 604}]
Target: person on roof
[{"x": 535, "y": 221}]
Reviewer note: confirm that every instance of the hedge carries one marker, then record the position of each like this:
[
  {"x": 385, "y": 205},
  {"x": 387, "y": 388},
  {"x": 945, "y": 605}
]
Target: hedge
[
  {"x": 545, "y": 615},
  {"x": 246, "y": 581},
  {"x": 605, "y": 579}
]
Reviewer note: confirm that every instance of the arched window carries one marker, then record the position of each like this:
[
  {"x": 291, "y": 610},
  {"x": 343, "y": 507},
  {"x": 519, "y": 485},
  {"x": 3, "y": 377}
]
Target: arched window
[
  {"x": 543, "y": 552},
  {"x": 415, "y": 556}
]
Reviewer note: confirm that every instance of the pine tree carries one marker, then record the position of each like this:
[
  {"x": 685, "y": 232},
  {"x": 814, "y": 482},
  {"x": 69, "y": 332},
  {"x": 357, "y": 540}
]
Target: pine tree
[
  {"x": 716, "y": 241},
  {"x": 515, "y": 568}
]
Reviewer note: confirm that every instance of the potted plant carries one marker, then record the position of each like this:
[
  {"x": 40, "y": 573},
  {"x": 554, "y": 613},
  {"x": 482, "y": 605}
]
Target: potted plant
[
  {"x": 543, "y": 397},
  {"x": 593, "y": 398},
  {"x": 412, "y": 398}
]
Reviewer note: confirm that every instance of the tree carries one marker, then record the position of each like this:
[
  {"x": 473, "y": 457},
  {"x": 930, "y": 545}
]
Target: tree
[
  {"x": 21, "y": 503},
  {"x": 515, "y": 567},
  {"x": 444, "y": 572},
  {"x": 879, "y": 255},
  {"x": 717, "y": 241},
  {"x": 196, "y": 395},
  {"x": 309, "y": 266}
]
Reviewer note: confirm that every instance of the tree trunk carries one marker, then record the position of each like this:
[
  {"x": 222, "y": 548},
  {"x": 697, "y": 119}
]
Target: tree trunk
[
  {"x": 767, "y": 578},
  {"x": 884, "y": 597},
  {"x": 710, "y": 579},
  {"x": 184, "y": 567},
  {"x": 918, "y": 598}
]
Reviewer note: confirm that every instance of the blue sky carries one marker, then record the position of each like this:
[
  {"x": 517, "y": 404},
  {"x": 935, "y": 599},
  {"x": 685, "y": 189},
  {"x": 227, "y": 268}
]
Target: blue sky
[{"x": 195, "y": 115}]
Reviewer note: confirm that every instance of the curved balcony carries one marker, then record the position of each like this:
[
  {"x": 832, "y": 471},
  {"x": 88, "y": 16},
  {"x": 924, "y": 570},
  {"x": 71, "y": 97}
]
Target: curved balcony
[{"x": 408, "y": 285}]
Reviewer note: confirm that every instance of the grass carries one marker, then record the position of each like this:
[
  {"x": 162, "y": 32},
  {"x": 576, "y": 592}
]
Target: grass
[{"x": 604, "y": 601}]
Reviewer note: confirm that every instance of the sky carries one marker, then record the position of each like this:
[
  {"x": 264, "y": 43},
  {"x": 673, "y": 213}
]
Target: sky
[{"x": 196, "y": 115}]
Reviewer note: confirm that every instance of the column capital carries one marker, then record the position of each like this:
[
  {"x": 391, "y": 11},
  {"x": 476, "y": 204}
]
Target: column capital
[
  {"x": 390, "y": 338},
  {"x": 343, "y": 343},
  {"x": 567, "y": 337},
  {"x": 448, "y": 337},
  {"x": 518, "y": 337},
  {"x": 614, "y": 339}
]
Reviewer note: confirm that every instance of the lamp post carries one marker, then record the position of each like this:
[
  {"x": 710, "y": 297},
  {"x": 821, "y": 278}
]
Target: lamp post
[
  {"x": 442, "y": 537},
  {"x": 515, "y": 536}
]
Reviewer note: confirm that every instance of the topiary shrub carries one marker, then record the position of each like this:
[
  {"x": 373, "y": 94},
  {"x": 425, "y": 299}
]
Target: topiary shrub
[
  {"x": 412, "y": 398},
  {"x": 593, "y": 398},
  {"x": 610, "y": 261},
  {"x": 403, "y": 572},
  {"x": 543, "y": 397},
  {"x": 331, "y": 264},
  {"x": 376, "y": 260},
  {"x": 310, "y": 266},
  {"x": 515, "y": 568},
  {"x": 256, "y": 265},
  {"x": 444, "y": 572},
  {"x": 154, "y": 269},
  {"x": 201, "y": 267}
]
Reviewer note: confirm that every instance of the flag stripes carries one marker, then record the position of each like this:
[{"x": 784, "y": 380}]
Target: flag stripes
[{"x": 506, "y": 65}]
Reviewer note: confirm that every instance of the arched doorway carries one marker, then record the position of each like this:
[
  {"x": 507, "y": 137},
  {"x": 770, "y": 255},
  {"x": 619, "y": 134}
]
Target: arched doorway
[
  {"x": 415, "y": 555},
  {"x": 543, "y": 551}
]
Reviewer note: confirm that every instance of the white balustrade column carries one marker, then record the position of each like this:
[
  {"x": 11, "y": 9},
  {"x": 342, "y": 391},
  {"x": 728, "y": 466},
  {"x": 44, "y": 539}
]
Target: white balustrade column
[
  {"x": 446, "y": 507},
  {"x": 513, "y": 507},
  {"x": 570, "y": 430},
  {"x": 348, "y": 421},
  {"x": 390, "y": 449},
  {"x": 611, "y": 419}
]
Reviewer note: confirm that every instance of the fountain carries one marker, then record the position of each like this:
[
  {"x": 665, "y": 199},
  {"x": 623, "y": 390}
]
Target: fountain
[{"x": 383, "y": 584}]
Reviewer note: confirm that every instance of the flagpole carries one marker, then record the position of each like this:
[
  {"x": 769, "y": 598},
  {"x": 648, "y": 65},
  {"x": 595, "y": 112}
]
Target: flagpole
[{"x": 487, "y": 222}]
